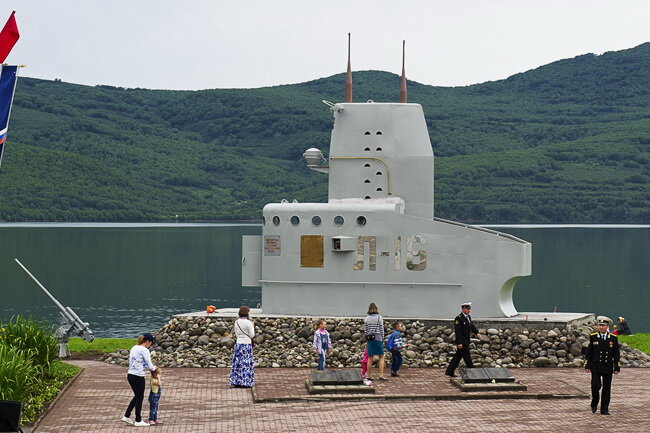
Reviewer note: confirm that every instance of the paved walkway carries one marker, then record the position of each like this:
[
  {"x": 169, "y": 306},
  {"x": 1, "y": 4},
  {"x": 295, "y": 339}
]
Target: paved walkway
[{"x": 199, "y": 400}]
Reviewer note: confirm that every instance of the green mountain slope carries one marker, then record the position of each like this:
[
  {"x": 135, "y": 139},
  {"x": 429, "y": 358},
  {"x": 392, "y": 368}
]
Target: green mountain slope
[{"x": 566, "y": 142}]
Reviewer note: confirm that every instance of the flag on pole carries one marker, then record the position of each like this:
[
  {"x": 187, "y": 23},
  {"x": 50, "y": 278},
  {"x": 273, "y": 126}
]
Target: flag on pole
[
  {"x": 8, "y": 37},
  {"x": 8, "y": 77}
]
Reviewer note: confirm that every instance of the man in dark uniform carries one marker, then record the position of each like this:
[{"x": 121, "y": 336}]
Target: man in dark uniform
[
  {"x": 603, "y": 356},
  {"x": 463, "y": 327}
]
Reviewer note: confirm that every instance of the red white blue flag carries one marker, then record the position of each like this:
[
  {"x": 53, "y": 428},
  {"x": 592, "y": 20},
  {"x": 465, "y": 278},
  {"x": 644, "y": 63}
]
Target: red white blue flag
[
  {"x": 9, "y": 35},
  {"x": 7, "y": 87}
]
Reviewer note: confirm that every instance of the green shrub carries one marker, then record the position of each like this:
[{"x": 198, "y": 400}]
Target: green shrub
[
  {"x": 32, "y": 338},
  {"x": 18, "y": 375},
  {"x": 46, "y": 389}
]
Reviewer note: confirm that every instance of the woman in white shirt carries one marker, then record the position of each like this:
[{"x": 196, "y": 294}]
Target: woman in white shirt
[
  {"x": 139, "y": 361},
  {"x": 242, "y": 374}
]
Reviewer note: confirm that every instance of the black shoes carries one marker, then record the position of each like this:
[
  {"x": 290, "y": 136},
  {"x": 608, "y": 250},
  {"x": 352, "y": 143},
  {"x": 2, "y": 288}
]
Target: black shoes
[
  {"x": 450, "y": 374},
  {"x": 602, "y": 412}
]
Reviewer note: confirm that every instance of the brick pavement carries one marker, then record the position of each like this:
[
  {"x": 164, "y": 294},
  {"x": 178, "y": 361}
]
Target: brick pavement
[{"x": 199, "y": 400}]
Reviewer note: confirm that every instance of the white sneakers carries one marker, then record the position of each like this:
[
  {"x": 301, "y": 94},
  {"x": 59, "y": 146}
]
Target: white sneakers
[{"x": 137, "y": 424}]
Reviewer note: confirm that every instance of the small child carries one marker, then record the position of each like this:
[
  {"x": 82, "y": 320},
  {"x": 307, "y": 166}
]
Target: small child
[
  {"x": 322, "y": 343},
  {"x": 364, "y": 363},
  {"x": 395, "y": 345},
  {"x": 154, "y": 396}
]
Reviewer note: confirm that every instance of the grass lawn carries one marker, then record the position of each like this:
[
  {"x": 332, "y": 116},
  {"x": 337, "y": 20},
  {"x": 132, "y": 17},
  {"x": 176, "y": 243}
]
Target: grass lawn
[
  {"x": 638, "y": 341},
  {"x": 100, "y": 345}
]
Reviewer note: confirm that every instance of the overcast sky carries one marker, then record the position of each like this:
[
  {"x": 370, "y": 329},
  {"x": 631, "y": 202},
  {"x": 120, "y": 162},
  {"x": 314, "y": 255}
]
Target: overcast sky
[{"x": 199, "y": 44}]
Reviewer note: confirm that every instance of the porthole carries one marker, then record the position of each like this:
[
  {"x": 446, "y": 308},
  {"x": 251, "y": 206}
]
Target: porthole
[
  {"x": 366, "y": 181},
  {"x": 367, "y": 149},
  {"x": 379, "y": 133},
  {"x": 367, "y": 197},
  {"x": 338, "y": 220},
  {"x": 379, "y": 173},
  {"x": 276, "y": 220},
  {"x": 367, "y": 133},
  {"x": 366, "y": 165},
  {"x": 379, "y": 149},
  {"x": 315, "y": 220},
  {"x": 295, "y": 220},
  {"x": 379, "y": 189},
  {"x": 361, "y": 221},
  {"x": 263, "y": 220}
]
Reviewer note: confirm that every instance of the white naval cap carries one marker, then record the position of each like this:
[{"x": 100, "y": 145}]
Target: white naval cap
[
  {"x": 465, "y": 304},
  {"x": 604, "y": 320}
]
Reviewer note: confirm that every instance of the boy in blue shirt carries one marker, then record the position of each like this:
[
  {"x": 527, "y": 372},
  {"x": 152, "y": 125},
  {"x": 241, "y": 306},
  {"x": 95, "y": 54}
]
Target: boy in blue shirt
[{"x": 395, "y": 345}]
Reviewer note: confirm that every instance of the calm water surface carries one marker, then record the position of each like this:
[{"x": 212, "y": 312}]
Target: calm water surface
[{"x": 128, "y": 278}]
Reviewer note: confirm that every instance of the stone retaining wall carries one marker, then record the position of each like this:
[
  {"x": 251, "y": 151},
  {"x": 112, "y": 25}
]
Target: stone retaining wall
[{"x": 187, "y": 341}]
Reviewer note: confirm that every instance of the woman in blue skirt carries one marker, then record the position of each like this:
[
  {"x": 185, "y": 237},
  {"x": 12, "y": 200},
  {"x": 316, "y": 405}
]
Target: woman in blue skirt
[
  {"x": 242, "y": 374},
  {"x": 374, "y": 331}
]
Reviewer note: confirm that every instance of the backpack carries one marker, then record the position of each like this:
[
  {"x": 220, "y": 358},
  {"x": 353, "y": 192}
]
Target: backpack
[{"x": 390, "y": 344}]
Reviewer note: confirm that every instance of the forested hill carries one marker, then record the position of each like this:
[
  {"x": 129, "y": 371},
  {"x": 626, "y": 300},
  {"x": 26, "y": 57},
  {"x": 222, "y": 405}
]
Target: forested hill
[{"x": 566, "y": 142}]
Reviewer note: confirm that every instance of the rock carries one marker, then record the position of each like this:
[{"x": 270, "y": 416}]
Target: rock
[
  {"x": 552, "y": 334},
  {"x": 575, "y": 349},
  {"x": 228, "y": 342},
  {"x": 493, "y": 331},
  {"x": 305, "y": 332},
  {"x": 203, "y": 340},
  {"x": 541, "y": 361}
]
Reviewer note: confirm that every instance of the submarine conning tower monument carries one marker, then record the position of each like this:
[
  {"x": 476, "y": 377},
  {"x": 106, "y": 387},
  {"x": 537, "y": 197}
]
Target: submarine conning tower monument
[{"x": 377, "y": 239}]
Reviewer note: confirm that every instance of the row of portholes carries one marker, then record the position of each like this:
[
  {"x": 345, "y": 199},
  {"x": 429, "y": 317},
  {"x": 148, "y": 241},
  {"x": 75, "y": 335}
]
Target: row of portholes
[
  {"x": 367, "y": 149},
  {"x": 316, "y": 220},
  {"x": 368, "y": 133}
]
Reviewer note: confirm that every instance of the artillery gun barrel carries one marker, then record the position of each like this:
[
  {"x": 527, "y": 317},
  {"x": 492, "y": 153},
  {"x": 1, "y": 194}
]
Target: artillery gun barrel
[{"x": 64, "y": 311}]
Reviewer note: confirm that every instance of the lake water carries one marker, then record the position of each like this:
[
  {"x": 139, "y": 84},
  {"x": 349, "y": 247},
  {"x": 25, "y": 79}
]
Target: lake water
[{"x": 129, "y": 278}]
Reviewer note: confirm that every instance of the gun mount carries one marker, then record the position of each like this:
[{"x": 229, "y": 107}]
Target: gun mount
[{"x": 71, "y": 323}]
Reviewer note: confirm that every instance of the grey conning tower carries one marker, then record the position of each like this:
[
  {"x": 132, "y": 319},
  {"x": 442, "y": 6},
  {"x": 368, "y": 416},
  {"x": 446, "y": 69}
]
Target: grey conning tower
[{"x": 376, "y": 239}]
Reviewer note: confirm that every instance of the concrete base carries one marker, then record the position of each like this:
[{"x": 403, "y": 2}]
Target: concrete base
[
  {"x": 530, "y": 320},
  {"x": 482, "y": 387},
  {"x": 338, "y": 389}
]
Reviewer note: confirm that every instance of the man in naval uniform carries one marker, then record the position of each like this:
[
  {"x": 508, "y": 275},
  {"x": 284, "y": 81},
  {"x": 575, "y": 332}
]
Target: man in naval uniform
[
  {"x": 463, "y": 327},
  {"x": 602, "y": 358}
]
